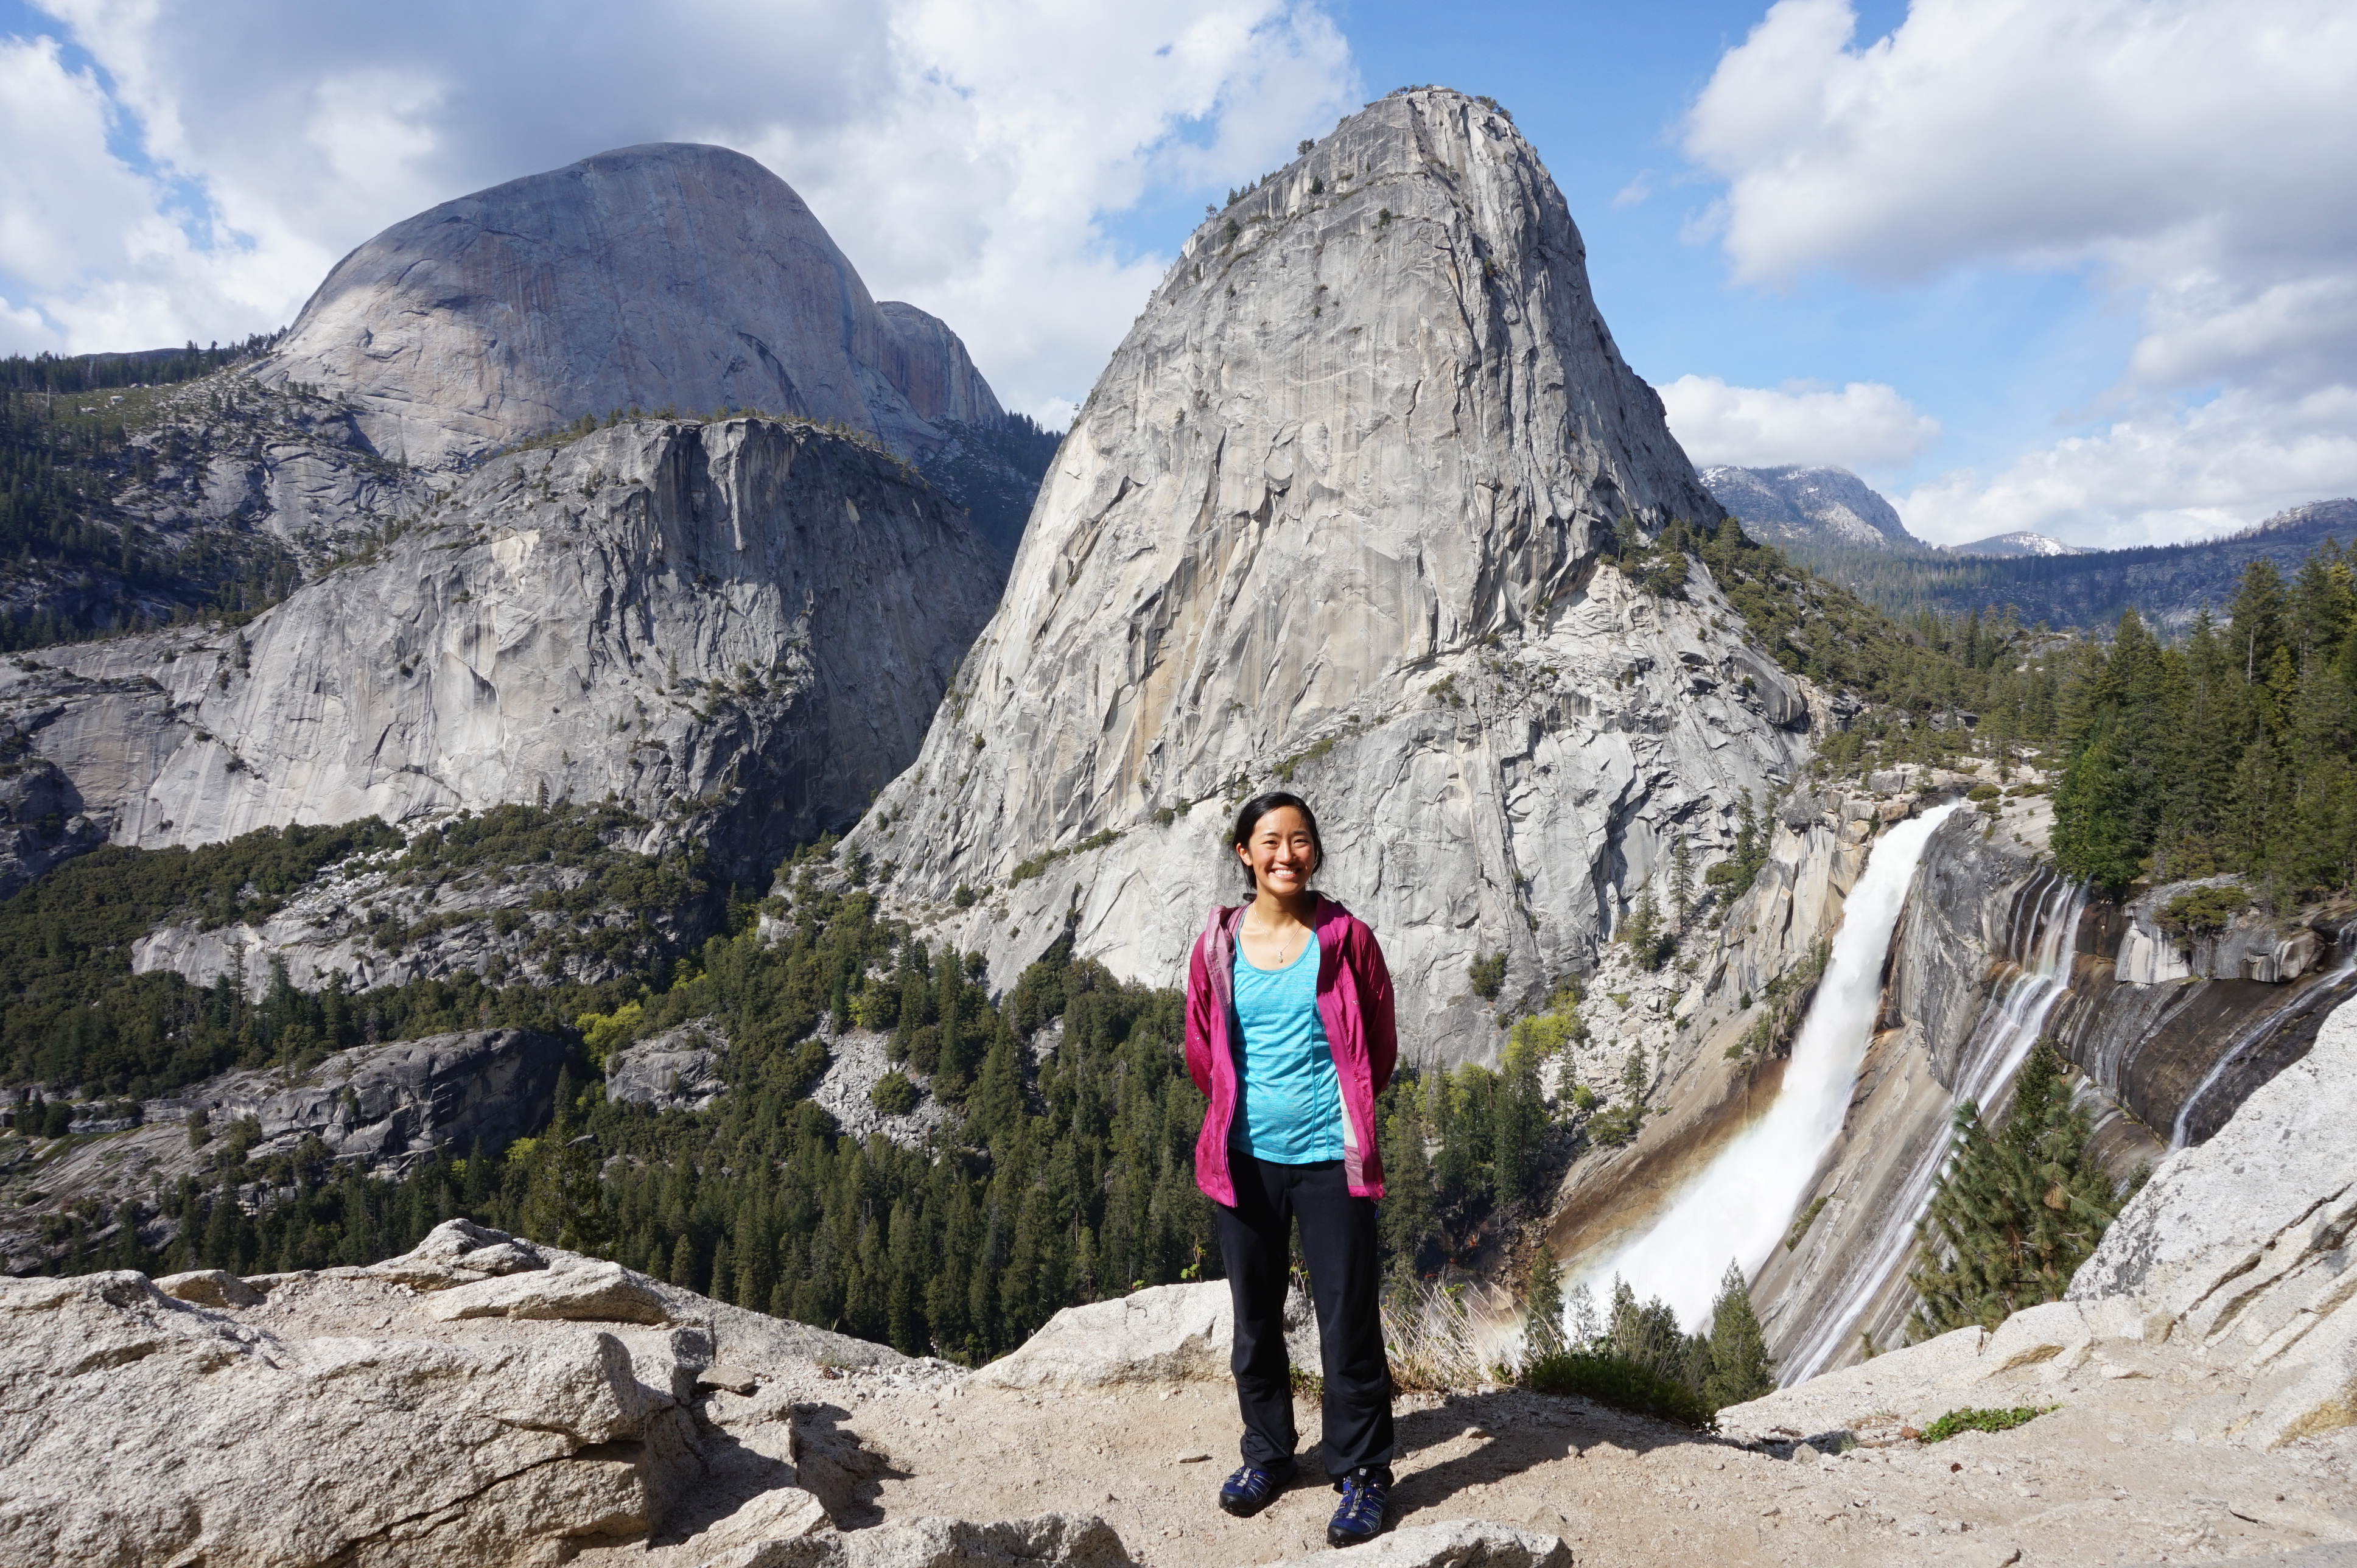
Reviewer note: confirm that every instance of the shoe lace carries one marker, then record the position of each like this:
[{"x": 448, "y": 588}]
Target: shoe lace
[{"x": 1362, "y": 1499}]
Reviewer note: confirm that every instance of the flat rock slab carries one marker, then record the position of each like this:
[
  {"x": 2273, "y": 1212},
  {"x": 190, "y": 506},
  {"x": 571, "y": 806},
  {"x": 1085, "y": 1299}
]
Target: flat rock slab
[{"x": 1455, "y": 1543}]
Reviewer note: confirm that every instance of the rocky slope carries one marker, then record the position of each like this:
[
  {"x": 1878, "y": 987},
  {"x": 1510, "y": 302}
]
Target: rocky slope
[
  {"x": 209, "y": 495},
  {"x": 1792, "y": 505},
  {"x": 669, "y": 275},
  {"x": 542, "y": 1406},
  {"x": 1333, "y": 516},
  {"x": 734, "y": 628},
  {"x": 382, "y": 1107}
]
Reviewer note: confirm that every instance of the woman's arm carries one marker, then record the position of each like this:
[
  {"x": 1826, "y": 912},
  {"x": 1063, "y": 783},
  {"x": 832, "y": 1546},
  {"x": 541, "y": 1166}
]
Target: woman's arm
[
  {"x": 1375, "y": 1007},
  {"x": 1198, "y": 1020}
]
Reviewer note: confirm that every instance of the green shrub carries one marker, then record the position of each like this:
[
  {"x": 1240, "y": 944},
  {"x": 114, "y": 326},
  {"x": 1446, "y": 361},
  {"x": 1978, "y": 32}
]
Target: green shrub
[
  {"x": 1487, "y": 972},
  {"x": 2204, "y": 910},
  {"x": 894, "y": 1094},
  {"x": 1619, "y": 1383},
  {"x": 1957, "y": 1421}
]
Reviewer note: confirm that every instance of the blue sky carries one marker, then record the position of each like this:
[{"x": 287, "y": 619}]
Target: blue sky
[{"x": 2061, "y": 265}]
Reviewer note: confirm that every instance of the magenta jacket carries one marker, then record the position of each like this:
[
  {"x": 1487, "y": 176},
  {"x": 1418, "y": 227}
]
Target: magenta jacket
[{"x": 1354, "y": 1003}]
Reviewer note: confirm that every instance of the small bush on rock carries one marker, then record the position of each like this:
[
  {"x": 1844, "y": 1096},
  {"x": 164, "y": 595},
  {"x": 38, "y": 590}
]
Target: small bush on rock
[{"x": 894, "y": 1094}]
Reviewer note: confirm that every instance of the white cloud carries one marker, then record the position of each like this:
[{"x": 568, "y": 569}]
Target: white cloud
[
  {"x": 1865, "y": 424},
  {"x": 2187, "y": 153},
  {"x": 2237, "y": 459},
  {"x": 962, "y": 156}
]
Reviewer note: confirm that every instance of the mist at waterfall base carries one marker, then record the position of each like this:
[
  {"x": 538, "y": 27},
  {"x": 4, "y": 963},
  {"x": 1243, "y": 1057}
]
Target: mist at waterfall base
[{"x": 1740, "y": 1205}]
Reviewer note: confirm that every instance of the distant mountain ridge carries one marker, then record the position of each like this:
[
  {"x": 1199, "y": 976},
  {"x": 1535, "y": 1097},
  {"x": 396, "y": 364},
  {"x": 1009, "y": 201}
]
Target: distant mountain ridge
[
  {"x": 1822, "y": 507},
  {"x": 2020, "y": 541},
  {"x": 2168, "y": 584}
]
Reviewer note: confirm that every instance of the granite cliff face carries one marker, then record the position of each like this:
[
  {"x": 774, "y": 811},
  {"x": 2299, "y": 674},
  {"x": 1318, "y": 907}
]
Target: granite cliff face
[
  {"x": 665, "y": 275},
  {"x": 734, "y": 628},
  {"x": 1332, "y": 517},
  {"x": 1830, "y": 507}
]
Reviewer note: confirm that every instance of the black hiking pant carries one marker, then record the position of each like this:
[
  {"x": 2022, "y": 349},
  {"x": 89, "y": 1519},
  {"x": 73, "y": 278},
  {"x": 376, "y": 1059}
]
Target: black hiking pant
[{"x": 1338, "y": 1243}]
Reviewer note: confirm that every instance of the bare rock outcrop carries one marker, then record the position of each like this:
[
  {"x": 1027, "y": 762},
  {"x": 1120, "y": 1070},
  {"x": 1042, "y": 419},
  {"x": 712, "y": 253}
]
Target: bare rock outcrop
[
  {"x": 41, "y": 823},
  {"x": 383, "y": 1106},
  {"x": 676, "y": 1070},
  {"x": 478, "y": 1402},
  {"x": 737, "y": 629},
  {"x": 1458, "y": 1544},
  {"x": 1828, "y": 508},
  {"x": 1337, "y": 515},
  {"x": 1164, "y": 1334},
  {"x": 671, "y": 275}
]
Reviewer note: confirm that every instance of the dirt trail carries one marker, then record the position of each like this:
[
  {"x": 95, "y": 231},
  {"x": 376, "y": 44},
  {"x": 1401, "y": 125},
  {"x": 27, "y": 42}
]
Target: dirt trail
[{"x": 2088, "y": 1484}]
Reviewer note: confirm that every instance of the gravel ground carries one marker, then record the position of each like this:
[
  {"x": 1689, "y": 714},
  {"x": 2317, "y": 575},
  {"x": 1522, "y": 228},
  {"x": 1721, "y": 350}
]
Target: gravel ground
[{"x": 2084, "y": 1485}]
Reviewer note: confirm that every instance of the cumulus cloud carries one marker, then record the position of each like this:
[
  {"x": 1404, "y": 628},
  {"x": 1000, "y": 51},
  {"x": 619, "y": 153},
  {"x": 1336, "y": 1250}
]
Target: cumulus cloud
[
  {"x": 1865, "y": 424},
  {"x": 2184, "y": 152},
  {"x": 964, "y": 157},
  {"x": 2239, "y": 458}
]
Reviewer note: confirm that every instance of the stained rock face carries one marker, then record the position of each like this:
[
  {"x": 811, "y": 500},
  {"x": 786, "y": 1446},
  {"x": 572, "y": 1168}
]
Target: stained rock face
[
  {"x": 737, "y": 629},
  {"x": 1332, "y": 517},
  {"x": 669, "y": 274},
  {"x": 2239, "y": 1249}
]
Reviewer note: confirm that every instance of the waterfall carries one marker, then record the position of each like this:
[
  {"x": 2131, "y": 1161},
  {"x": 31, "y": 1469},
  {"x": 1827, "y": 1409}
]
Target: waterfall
[
  {"x": 2010, "y": 1025},
  {"x": 1740, "y": 1204}
]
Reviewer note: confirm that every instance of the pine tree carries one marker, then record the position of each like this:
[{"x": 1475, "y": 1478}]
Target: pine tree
[
  {"x": 1542, "y": 1328},
  {"x": 683, "y": 1263},
  {"x": 1681, "y": 881},
  {"x": 2017, "y": 1209},
  {"x": 1739, "y": 1367}
]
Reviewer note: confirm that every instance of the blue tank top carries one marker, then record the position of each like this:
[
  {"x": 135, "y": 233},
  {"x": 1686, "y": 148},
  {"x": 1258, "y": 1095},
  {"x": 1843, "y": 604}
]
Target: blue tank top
[{"x": 1290, "y": 1099}]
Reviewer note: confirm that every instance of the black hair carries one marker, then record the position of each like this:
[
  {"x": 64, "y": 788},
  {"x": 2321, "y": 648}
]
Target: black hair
[{"x": 1260, "y": 806}]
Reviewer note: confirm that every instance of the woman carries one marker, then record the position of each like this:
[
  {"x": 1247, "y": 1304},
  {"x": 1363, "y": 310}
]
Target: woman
[{"x": 1289, "y": 1033}]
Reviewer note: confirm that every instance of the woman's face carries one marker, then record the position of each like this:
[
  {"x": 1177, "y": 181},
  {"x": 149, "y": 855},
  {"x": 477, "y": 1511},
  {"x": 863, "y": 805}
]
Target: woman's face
[{"x": 1279, "y": 854}]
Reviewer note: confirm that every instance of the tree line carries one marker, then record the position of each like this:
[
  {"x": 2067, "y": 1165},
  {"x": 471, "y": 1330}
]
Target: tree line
[{"x": 2226, "y": 753}]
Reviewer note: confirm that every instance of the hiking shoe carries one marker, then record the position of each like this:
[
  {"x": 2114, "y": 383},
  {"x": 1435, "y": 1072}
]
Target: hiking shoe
[
  {"x": 1253, "y": 1487},
  {"x": 1365, "y": 1511}
]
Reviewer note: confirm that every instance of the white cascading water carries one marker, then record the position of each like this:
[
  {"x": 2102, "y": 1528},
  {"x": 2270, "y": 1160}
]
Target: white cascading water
[
  {"x": 1741, "y": 1203},
  {"x": 2000, "y": 1042}
]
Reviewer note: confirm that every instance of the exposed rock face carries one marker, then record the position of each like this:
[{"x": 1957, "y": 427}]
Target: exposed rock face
[
  {"x": 1332, "y": 516},
  {"x": 382, "y": 1105},
  {"x": 374, "y": 1416},
  {"x": 676, "y": 1070},
  {"x": 2251, "y": 945},
  {"x": 41, "y": 823},
  {"x": 1165, "y": 1334},
  {"x": 738, "y": 630},
  {"x": 583, "y": 917},
  {"x": 2240, "y": 1250},
  {"x": 669, "y": 274},
  {"x": 225, "y": 486},
  {"x": 1830, "y": 507},
  {"x": 1459, "y": 1543}
]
